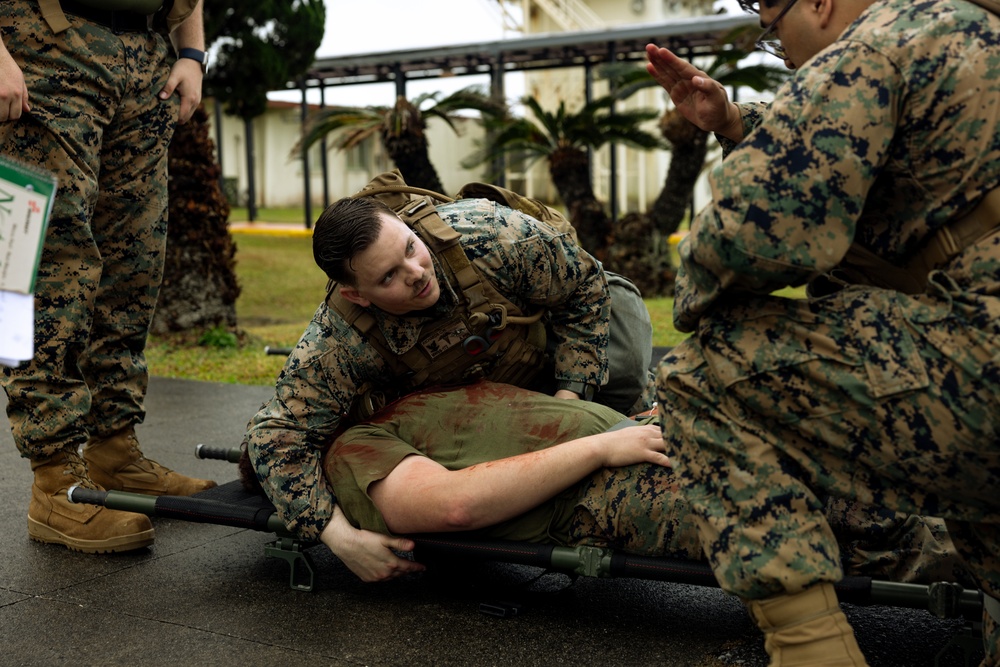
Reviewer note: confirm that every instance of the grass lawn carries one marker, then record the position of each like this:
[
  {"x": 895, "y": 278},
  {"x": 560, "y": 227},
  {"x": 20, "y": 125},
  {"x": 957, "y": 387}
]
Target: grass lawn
[{"x": 281, "y": 288}]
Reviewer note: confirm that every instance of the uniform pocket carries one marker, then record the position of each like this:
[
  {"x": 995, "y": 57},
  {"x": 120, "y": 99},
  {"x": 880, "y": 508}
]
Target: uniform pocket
[{"x": 891, "y": 358}]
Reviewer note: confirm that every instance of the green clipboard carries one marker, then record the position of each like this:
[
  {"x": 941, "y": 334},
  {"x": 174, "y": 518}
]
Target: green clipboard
[{"x": 26, "y": 196}]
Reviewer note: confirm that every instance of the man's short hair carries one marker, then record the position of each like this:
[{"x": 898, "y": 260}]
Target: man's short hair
[{"x": 345, "y": 229}]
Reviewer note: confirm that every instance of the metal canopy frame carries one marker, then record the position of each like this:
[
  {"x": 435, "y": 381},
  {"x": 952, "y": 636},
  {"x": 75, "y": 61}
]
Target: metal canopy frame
[{"x": 688, "y": 37}]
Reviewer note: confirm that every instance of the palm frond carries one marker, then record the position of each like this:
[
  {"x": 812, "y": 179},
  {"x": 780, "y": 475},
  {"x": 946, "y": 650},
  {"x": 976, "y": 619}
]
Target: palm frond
[{"x": 337, "y": 119}]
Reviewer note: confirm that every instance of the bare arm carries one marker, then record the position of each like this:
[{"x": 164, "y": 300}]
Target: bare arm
[
  {"x": 368, "y": 555},
  {"x": 420, "y": 495},
  {"x": 186, "y": 75},
  {"x": 699, "y": 97}
]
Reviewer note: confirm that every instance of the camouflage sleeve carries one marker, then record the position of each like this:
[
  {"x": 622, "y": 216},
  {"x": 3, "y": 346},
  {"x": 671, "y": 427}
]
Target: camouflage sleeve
[
  {"x": 787, "y": 199},
  {"x": 751, "y": 113},
  {"x": 287, "y": 437},
  {"x": 545, "y": 268}
]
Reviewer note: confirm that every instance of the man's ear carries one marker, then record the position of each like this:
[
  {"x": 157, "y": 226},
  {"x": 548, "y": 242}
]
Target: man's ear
[
  {"x": 824, "y": 10},
  {"x": 354, "y": 296}
]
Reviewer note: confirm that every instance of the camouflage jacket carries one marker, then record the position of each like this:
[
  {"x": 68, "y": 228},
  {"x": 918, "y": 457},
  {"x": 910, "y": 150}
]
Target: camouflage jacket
[
  {"x": 527, "y": 261},
  {"x": 882, "y": 138}
]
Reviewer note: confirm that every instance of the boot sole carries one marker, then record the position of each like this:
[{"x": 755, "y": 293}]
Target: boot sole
[{"x": 42, "y": 533}]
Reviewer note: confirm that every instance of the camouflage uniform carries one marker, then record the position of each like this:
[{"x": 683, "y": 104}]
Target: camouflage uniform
[
  {"x": 97, "y": 123},
  {"x": 638, "y": 509},
  {"x": 888, "y": 398},
  {"x": 528, "y": 262}
]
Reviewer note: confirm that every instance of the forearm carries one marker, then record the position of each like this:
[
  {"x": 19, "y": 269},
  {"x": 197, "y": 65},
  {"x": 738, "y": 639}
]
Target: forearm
[
  {"x": 580, "y": 325},
  {"x": 291, "y": 476},
  {"x": 191, "y": 33},
  {"x": 747, "y": 116},
  {"x": 421, "y": 496}
]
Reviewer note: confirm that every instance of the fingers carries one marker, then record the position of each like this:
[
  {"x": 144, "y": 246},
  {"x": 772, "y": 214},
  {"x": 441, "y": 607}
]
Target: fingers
[
  {"x": 185, "y": 79},
  {"x": 13, "y": 100},
  {"x": 395, "y": 565}
]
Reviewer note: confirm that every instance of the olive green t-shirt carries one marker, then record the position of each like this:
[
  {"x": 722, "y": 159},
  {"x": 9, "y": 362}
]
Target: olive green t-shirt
[{"x": 459, "y": 427}]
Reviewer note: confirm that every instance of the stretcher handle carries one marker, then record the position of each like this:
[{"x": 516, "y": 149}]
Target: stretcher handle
[
  {"x": 231, "y": 454},
  {"x": 198, "y": 510}
]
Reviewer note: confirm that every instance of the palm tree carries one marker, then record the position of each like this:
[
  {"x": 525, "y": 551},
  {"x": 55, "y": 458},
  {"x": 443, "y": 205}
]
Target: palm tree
[
  {"x": 401, "y": 128},
  {"x": 564, "y": 139},
  {"x": 689, "y": 143}
]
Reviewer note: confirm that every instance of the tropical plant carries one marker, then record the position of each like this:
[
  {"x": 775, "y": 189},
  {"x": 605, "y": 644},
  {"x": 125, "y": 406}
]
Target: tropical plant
[
  {"x": 565, "y": 140},
  {"x": 688, "y": 143},
  {"x": 260, "y": 46},
  {"x": 402, "y": 128}
]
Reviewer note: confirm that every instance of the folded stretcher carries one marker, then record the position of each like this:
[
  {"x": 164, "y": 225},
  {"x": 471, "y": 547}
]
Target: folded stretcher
[{"x": 232, "y": 505}]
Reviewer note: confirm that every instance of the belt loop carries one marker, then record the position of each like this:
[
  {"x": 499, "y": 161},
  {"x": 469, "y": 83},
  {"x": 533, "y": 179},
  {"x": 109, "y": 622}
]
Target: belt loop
[{"x": 53, "y": 14}]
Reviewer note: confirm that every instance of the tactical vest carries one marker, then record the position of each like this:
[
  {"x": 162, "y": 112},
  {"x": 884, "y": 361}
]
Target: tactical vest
[{"x": 487, "y": 336}]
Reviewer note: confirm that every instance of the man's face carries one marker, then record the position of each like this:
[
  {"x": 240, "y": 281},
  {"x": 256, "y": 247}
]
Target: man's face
[{"x": 395, "y": 273}]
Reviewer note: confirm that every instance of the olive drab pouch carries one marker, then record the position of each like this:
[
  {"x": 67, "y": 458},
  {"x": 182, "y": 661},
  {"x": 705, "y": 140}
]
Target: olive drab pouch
[{"x": 528, "y": 205}]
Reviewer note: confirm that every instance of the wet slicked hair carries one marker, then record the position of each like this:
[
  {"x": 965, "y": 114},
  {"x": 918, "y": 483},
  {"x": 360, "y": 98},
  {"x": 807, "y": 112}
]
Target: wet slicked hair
[{"x": 346, "y": 228}]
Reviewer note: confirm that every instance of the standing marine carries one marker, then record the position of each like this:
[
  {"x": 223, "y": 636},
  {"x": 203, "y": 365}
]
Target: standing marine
[{"x": 872, "y": 177}]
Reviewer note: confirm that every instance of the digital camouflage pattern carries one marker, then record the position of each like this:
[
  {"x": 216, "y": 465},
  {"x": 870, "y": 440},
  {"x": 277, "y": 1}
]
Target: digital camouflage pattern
[
  {"x": 638, "y": 509},
  {"x": 869, "y": 394},
  {"x": 527, "y": 261},
  {"x": 97, "y": 124}
]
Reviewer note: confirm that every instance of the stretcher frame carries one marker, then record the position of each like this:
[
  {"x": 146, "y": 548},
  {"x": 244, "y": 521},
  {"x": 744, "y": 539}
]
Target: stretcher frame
[{"x": 230, "y": 504}]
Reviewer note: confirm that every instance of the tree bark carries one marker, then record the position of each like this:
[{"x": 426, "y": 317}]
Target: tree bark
[
  {"x": 199, "y": 288},
  {"x": 570, "y": 171}
]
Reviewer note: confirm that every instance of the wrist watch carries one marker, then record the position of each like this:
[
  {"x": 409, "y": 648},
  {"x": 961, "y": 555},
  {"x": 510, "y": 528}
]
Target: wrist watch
[
  {"x": 196, "y": 55},
  {"x": 581, "y": 389}
]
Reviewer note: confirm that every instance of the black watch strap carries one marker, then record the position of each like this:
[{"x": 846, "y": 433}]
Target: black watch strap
[
  {"x": 196, "y": 55},
  {"x": 581, "y": 389}
]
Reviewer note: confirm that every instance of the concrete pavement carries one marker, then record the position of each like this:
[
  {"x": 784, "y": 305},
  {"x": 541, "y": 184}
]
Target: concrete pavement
[{"x": 207, "y": 595}]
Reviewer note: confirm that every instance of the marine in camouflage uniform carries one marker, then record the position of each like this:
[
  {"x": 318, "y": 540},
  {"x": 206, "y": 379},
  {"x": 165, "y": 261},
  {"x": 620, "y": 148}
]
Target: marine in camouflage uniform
[
  {"x": 890, "y": 398},
  {"x": 529, "y": 262},
  {"x": 637, "y": 508},
  {"x": 97, "y": 123}
]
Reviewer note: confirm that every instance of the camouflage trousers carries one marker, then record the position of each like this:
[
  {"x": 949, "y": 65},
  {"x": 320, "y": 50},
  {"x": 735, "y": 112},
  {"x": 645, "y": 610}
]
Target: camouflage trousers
[
  {"x": 640, "y": 509},
  {"x": 97, "y": 123},
  {"x": 866, "y": 394}
]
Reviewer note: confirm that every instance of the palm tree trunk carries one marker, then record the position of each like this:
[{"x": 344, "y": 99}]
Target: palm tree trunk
[
  {"x": 689, "y": 148},
  {"x": 570, "y": 171},
  {"x": 410, "y": 154},
  {"x": 199, "y": 286}
]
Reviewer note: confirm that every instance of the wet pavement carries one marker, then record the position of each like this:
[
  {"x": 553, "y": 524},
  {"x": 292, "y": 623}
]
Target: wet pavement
[{"x": 207, "y": 594}]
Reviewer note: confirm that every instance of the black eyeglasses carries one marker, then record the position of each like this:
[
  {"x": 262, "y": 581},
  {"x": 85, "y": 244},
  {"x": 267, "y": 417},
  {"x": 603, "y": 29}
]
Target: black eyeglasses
[{"x": 769, "y": 44}]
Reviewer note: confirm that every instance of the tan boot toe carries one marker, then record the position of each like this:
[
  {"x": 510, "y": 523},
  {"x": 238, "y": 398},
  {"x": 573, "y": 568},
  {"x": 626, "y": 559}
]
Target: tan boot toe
[
  {"x": 53, "y": 519},
  {"x": 117, "y": 463}
]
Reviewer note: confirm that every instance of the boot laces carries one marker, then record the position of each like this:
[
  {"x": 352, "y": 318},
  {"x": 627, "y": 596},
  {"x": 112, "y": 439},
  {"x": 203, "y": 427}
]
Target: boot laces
[
  {"x": 133, "y": 443},
  {"x": 77, "y": 467}
]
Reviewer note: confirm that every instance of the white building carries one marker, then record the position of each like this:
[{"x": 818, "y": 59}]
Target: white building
[{"x": 279, "y": 176}]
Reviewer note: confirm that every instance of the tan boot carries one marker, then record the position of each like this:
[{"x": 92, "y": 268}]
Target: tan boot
[
  {"x": 807, "y": 629},
  {"x": 116, "y": 463},
  {"x": 54, "y": 519}
]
